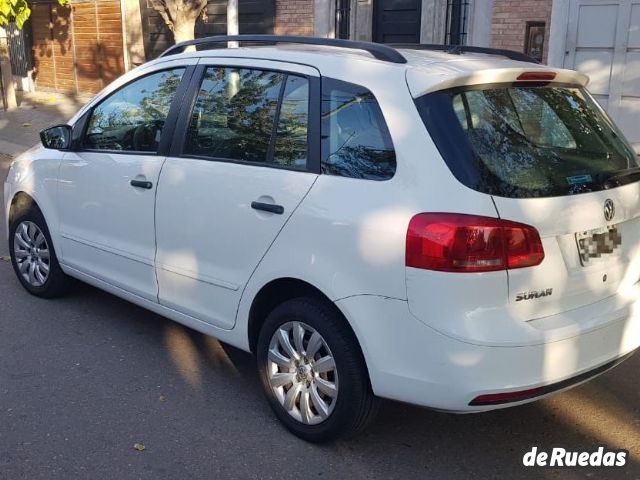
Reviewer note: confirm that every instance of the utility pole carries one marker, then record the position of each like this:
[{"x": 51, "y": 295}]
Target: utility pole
[{"x": 233, "y": 27}]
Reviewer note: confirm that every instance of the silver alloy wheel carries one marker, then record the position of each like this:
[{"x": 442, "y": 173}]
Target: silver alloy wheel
[
  {"x": 32, "y": 253},
  {"x": 302, "y": 372}
]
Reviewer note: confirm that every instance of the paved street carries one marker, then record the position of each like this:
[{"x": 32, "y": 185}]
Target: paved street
[{"x": 84, "y": 378}]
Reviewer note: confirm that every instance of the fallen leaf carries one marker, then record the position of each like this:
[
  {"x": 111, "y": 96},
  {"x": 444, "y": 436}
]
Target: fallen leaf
[
  {"x": 162, "y": 398},
  {"x": 5, "y": 258},
  {"x": 26, "y": 124},
  {"x": 139, "y": 447}
]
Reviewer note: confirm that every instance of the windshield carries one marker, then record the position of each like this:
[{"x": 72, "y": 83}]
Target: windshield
[{"x": 527, "y": 141}]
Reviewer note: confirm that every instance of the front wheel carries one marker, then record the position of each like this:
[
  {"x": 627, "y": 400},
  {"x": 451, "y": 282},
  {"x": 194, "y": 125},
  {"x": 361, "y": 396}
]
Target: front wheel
[
  {"x": 312, "y": 371},
  {"x": 33, "y": 257}
]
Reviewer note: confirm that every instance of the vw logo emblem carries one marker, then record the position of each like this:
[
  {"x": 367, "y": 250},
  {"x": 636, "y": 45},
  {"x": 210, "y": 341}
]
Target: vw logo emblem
[{"x": 609, "y": 210}]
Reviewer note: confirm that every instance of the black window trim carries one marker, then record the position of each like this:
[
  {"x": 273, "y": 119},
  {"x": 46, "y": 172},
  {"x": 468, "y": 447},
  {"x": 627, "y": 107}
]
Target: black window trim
[
  {"x": 313, "y": 127},
  {"x": 170, "y": 123}
]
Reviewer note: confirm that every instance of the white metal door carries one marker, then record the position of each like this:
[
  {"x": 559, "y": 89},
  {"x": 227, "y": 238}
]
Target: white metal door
[
  {"x": 107, "y": 187},
  {"x": 210, "y": 235},
  {"x": 107, "y": 224},
  {"x": 603, "y": 41}
]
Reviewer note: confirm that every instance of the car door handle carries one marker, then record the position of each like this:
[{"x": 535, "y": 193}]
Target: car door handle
[
  {"x": 141, "y": 184},
  {"x": 268, "y": 207}
]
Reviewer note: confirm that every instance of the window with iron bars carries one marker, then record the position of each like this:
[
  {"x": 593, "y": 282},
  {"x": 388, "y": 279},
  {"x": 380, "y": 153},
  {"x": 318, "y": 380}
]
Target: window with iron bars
[
  {"x": 343, "y": 18},
  {"x": 457, "y": 22}
]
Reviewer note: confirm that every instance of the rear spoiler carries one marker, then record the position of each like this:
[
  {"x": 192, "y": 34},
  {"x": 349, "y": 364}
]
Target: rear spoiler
[{"x": 422, "y": 81}]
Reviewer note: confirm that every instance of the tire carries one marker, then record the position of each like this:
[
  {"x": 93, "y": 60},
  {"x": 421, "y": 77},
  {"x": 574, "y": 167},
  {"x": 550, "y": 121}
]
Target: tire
[
  {"x": 56, "y": 282},
  {"x": 327, "y": 418}
]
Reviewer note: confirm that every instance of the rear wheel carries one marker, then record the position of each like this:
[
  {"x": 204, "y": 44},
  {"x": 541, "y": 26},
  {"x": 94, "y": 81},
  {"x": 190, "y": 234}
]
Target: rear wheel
[
  {"x": 312, "y": 371},
  {"x": 32, "y": 255}
]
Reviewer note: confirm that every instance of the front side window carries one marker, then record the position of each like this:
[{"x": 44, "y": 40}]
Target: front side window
[
  {"x": 527, "y": 141},
  {"x": 252, "y": 116},
  {"x": 355, "y": 139},
  {"x": 132, "y": 118}
]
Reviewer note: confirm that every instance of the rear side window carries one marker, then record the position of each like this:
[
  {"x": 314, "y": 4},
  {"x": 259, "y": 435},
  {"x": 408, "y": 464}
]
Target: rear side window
[
  {"x": 132, "y": 118},
  {"x": 355, "y": 139},
  {"x": 252, "y": 116},
  {"x": 527, "y": 141}
]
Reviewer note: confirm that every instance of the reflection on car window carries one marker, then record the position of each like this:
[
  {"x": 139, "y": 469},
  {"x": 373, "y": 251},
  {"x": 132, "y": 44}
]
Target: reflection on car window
[
  {"x": 235, "y": 115},
  {"x": 355, "y": 139},
  {"x": 526, "y": 141},
  {"x": 132, "y": 118},
  {"x": 291, "y": 136}
]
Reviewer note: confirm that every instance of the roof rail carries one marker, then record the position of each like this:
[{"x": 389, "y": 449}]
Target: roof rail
[
  {"x": 378, "y": 50},
  {"x": 459, "y": 49}
]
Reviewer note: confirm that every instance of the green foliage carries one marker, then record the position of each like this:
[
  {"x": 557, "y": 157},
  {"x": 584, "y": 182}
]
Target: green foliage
[{"x": 17, "y": 11}]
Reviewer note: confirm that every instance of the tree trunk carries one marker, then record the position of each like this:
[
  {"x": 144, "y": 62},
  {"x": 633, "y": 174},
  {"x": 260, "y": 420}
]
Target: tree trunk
[
  {"x": 6, "y": 77},
  {"x": 184, "y": 29},
  {"x": 8, "y": 90}
]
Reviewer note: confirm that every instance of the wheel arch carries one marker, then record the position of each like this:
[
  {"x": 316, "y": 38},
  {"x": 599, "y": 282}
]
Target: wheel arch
[
  {"x": 21, "y": 200},
  {"x": 279, "y": 290}
]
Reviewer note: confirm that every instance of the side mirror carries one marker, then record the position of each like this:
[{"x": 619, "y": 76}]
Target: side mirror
[{"x": 58, "y": 137}]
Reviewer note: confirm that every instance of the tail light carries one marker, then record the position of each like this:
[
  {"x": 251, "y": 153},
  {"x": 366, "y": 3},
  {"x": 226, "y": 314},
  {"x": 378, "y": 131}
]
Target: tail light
[
  {"x": 536, "y": 77},
  {"x": 451, "y": 242}
]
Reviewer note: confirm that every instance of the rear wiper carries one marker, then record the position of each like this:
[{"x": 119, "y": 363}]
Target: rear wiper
[{"x": 613, "y": 179}]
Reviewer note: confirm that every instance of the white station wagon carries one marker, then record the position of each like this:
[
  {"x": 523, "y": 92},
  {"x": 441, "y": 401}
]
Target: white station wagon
[{"x": 453, "y": 227}]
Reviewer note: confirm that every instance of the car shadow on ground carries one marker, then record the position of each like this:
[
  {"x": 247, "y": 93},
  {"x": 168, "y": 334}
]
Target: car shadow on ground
[{"x": 602, "y": 412}]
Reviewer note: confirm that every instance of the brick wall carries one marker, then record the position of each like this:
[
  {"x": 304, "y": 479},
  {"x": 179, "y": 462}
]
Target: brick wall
[
  {"x": 509, "y": 23},
  {"x": 294, "y": 17}
]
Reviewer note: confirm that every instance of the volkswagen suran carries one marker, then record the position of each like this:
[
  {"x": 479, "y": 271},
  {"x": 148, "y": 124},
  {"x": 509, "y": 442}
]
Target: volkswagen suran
[{"x": 458, "y": 229}]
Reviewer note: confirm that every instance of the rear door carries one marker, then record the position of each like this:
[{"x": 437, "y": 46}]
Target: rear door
[
  {"x": 244, "y": 158},
  {"x": 589, "y": 255}
]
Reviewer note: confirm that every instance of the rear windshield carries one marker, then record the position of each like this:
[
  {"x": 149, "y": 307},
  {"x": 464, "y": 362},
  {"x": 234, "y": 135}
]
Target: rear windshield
[{"x": 528, "y": 141}]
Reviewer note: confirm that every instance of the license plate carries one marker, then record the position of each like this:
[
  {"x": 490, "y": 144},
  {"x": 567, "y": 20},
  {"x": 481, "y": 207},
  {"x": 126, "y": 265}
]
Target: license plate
[{"x": 594, "y": 244}]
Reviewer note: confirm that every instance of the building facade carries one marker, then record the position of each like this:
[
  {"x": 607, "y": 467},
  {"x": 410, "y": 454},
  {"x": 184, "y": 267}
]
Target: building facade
[{"x": 83, "y": 46}]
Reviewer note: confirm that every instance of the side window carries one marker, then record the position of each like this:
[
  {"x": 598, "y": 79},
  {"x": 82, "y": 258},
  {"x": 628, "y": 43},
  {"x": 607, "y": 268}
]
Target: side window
[
  {"x": 355, "y": 139},
  {"x": 236, "y": 117},
  {"x": 132, "y": 118}
]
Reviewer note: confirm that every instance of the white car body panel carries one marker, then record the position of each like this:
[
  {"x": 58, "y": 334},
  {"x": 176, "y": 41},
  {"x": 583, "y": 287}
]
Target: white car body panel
[
  {"x": 411, "y": 362},
  {"x": 35, "y": 173},
  {"x": 106, "y": 225},
  {"x": 206, "y": 256},
  {"x": 558, "y": 219}
]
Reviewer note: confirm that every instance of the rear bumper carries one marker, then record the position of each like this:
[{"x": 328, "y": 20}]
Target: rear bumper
[
  {"x": 505, "y": 398},
  {"x": 411, "y": 362}
]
